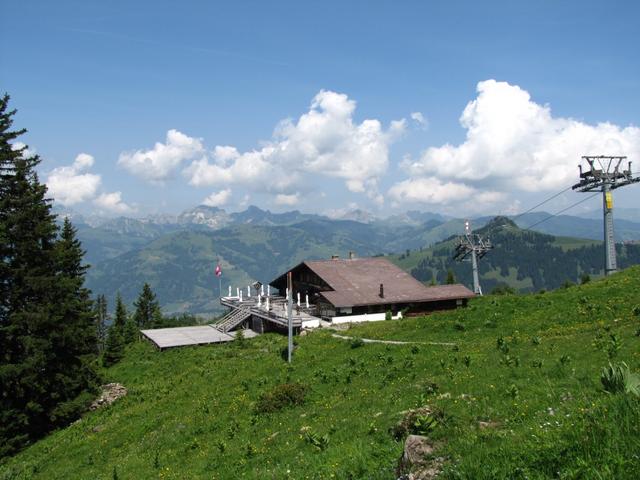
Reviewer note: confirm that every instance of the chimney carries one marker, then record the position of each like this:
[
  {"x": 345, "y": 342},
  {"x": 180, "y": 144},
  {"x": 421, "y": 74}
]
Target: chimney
[
  {"x": 352, "y": 255},
  {"x": 381, "y": 290},
  {"x": 335, "y": 257}
]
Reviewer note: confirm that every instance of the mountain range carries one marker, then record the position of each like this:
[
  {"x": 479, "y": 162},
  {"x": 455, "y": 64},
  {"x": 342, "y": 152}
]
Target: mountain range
[{"x": 177, "y": 254}]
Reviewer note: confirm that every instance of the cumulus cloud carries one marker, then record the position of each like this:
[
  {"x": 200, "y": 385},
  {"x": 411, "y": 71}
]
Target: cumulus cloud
[
  {"x": 217, "y": 199},
  {"x": 26, "y": 150},
  {"x": 513, "y": 143},
  {"x": 73, "y": 184},
  {"x": 283, "y": 199},
  {"x": 158, "y": 164},
  {"x": 419, "y": 119},
  {"x": 324, "y": 141},
  {"x": 429, "y": 190},
  {"x": 112, "y": 203}
]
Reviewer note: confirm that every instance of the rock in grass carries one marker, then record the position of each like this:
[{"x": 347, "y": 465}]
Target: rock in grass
[
  {"x": 417, "y": 461},
  {"x": 110, "y": 393}
]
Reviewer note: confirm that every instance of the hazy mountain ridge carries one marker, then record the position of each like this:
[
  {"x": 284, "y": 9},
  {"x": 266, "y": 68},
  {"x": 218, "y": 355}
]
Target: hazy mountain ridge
[{"x": 177, "y": 257}]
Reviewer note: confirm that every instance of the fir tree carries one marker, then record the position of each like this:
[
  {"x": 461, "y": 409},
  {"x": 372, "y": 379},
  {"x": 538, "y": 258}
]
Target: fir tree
[
  {"x": 45, "y": 353},
  {"x": 74, "y": 340},
  {"x": 451, "y": 278},
  {"x": 100, "y": 318},
  {"x": 147, "y": 308},
  {"x": 121, "y": 314},
  {"x": 130, "y": 333},
  {"x": 114, "y": 348}
]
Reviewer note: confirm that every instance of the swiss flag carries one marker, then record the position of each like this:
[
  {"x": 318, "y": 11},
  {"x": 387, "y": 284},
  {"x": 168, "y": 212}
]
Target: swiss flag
[{"x": 218, "y": 271}]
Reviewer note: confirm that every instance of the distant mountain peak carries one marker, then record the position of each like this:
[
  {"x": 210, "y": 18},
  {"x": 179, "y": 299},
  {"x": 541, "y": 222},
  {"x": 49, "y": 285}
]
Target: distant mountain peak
[
  {"x": 211, "y": 217},
  {"x": 501, "y": 221},
  {"x": 357, "y": 215}
]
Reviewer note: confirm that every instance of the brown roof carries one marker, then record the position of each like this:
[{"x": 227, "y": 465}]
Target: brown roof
[{"x": 357, "y": 282}]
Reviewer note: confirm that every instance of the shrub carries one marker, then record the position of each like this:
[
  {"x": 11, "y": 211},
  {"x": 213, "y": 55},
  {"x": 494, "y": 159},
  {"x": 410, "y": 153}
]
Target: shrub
[
  {"x": 281, "y": 396},
  {"x": 613, "y": 346},
  {"x": 357, "y": 342},
  {"x": 240, "y": 340},
  {"x": 503, "y": 289},
  {"x": 564, "y": 359},
  {"x": 321, "y": 442},
  {"x": 618, "y": 378},
  {"x": 537, "y": 363},
  {"x": 424, "y": 424},
  {"x": 420, "y": 421},
  {"x": 502, "y": 345},
  {"x": 431, "y": 388},
  {"x": 388, "y": 315}
]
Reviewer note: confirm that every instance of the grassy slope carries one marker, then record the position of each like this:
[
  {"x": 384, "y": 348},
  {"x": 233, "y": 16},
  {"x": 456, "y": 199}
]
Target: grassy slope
[{"x": 189, "y": 413}]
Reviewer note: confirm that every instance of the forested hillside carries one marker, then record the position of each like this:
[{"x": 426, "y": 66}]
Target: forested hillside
[{"x": 522, "y": 259}]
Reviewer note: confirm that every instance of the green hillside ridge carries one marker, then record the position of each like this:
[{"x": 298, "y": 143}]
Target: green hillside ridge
[
  {"x": 179, "y": 265},
  {"x": 518, "y": 395},
  {"x": 522, "y": 259}
]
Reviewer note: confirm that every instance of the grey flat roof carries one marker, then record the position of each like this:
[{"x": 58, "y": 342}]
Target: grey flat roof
[{"x": 184, "y": 336}]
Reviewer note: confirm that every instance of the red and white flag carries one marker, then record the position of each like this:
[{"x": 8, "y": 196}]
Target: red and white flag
[{"x": 218, "y": 271}]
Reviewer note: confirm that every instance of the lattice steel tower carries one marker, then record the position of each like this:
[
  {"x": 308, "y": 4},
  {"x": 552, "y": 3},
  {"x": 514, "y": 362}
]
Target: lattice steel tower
[
  {"x": 607, "y": 178},
  {"x": 472, "y": 244}
]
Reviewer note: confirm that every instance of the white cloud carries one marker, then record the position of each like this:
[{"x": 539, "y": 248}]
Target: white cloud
[
  {"x": 70, "y": 185},
  {"x": 429, "y": 190},
  {"x": 324, "y": 141},
  {"x": 283, "y": 199},
  {"x": 514, "y": 143},
  {"x": 112, "y": 202},
  {"x": 217, "y": 199},
  {"x": 419, "y": 119},
  {"x": 159, "y": 163},
  {"x": 27, "y": 152}
]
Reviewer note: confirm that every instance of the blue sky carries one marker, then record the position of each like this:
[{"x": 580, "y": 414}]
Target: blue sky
[{"x": 460, "y": 107}]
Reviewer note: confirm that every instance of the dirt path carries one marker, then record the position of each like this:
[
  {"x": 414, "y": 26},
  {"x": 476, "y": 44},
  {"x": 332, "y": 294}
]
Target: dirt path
[{"x": 394, "y": 342}]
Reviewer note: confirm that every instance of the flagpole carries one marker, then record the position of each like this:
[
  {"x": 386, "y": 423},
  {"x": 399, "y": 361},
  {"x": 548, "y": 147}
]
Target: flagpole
[{"x": 219, "y": 275}]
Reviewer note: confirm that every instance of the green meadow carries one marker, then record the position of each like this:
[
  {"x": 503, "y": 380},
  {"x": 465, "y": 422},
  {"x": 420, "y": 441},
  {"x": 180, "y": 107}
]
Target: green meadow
[{"x": 513, "y": 383}]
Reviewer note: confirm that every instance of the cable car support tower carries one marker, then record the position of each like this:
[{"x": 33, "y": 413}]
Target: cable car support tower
[
  {"x": 605, "y": 179},
  {"x": 472, "y": 244}
]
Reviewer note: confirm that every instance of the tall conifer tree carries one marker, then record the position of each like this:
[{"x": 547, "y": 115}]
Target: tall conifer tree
[
  {"x": 100, "y": 318},
  {"x": 114, "y": 347},
  {"x": 75, "y": 340},
  {"x": 121, "y": 314},
  {"x": 147, "y": 308},
  {"x": 44, "y": 361}
]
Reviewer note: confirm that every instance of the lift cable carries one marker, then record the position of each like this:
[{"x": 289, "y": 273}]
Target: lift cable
[
  {"x": 542, "y": 203},
  {"x": 562, "y": 211}
]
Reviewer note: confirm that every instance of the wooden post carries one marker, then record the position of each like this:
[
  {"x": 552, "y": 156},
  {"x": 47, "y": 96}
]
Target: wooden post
[{"x": 290, "y": 316}]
